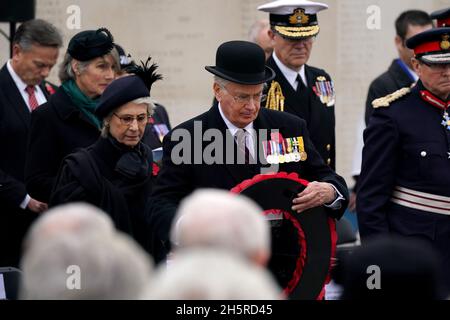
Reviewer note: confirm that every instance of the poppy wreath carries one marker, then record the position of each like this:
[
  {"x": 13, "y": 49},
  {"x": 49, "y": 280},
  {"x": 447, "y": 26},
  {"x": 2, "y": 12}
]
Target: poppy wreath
[{"x": 303, "y": 244}]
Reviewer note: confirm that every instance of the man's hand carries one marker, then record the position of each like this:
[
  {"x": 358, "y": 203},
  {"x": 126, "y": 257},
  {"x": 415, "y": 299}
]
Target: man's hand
[
  {"x": 37, "y": 206},
  {"x": 314, "y": 195}
]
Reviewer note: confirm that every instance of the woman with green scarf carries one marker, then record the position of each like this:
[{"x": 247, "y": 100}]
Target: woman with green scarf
[{"x": 68, "y": 121}]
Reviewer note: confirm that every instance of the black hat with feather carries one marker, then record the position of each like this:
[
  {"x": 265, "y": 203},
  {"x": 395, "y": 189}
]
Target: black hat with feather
[
  {"x": 90, "y": 44},
  {"x": 128, "y": 88}
]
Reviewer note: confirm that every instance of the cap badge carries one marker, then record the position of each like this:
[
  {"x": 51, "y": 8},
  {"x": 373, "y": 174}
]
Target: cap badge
[
  {"x": 445, "y": 43},
  {"x": 299, "y": 16}
]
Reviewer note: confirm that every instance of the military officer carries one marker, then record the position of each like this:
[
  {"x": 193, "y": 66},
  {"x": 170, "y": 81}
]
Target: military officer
[
  {"x": 442, "y": 17},
  {"x": 400, "y": 73},
  {"x": 298, "y": 88},
  {"x": 405, "y": 176}
]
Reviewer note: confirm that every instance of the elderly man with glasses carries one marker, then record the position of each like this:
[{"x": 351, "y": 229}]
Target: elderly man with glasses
[{"x": 235, "y": 140}]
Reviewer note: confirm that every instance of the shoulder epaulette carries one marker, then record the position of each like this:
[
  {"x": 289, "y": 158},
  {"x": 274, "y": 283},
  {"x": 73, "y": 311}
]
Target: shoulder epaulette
[
  {"x": 275, "y": 97},
  {"x": 386, "y": 100}
]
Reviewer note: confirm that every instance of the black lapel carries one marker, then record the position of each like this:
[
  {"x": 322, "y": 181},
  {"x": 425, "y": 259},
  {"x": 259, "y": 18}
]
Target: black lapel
[
  {"x": 310, "y": 96},
  {"x": 263, "y": 132},
  {"x": 399, "y": 75},
  {"x": 43, "y": 86},
  {"x": 14, "y": 97},
  {"x": 311, "y": 79}
]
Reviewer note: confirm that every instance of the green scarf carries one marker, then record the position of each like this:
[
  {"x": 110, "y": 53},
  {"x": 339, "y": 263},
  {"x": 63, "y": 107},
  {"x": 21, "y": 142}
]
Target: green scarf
[{"x": 86, "y": 105}]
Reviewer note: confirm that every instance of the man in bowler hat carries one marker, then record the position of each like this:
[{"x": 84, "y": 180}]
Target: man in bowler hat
[{"x": 239, "y": 77}]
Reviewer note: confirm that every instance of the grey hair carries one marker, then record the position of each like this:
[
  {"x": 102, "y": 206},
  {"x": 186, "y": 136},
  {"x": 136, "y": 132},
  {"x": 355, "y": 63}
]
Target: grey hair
[
  {"x": 212, "y": 275},
  {"x": 218, "y": 219},
  {"x": 108, "y": 267},
  {"x": 38, "y": 32},
  {"x": 76, "y": 218},
  {"x": 144, "y": 100},
  {"x": 66, "y": 71},
  {"x": 221, "y": 82},
  {"x": 256, "y": 28}
]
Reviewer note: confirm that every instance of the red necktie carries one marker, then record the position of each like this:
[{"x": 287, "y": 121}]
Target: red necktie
[{"x": 32, "y": 101}]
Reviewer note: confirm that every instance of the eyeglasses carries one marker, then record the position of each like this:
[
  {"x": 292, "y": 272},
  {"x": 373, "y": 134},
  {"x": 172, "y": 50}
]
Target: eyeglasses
[
  {"x": 246, "y": 98},
  {"x": 128, "y": 120},
  {"x": 436, "y": 67}
]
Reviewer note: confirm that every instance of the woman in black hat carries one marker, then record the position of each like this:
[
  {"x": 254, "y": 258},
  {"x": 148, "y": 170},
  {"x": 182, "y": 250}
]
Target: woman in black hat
[
  {"x": 115, "y": 173},
  {"x": 159, "y": 123},
  {"x": 68, "y": 121}
]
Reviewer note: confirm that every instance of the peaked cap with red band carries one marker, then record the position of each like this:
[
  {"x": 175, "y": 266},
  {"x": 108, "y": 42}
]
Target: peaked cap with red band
[
  {"x": 431, "y": 46},
  {"x": 442, "y": 17}
]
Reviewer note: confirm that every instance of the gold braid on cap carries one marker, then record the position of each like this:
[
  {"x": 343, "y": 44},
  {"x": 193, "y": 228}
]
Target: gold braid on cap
[
  {"x": 275, "y": 98},
  {"x": 297, "y": 31}
]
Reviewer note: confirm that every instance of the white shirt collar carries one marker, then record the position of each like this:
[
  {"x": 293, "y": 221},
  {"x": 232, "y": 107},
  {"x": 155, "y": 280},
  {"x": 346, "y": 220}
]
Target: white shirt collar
[
  {"x": 289, "y": 74},
  {"x": 19, "y": 83}
]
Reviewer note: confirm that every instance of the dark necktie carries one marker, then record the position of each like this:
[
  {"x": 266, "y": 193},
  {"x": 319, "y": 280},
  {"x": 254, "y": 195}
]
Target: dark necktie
[
  {"x": 302, "y": 98},
  {"x": 300, "y": 85}
]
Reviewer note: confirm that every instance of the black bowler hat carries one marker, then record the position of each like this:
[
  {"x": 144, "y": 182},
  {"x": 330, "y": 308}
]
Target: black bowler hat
[
  {"x": 442, "y": 17},
  {"x": 431, "y": 46},
  {"x": 90, "y": 44},
  {"x": 128, "y": 88},
  {"x": 294, "y": 19},
  {"x": 241, "y": 62}
]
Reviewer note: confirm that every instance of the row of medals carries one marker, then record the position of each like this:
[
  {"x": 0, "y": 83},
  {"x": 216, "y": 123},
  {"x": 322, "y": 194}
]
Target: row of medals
[{"x": 286, "y": 151}]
